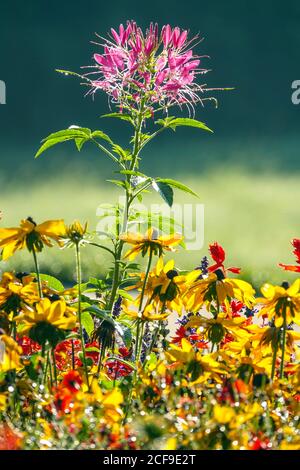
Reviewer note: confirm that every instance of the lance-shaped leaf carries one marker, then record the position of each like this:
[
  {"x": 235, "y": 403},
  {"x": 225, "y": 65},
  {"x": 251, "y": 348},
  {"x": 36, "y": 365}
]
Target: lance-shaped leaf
[
  {"x": 172, "y": 123},
  {"x": 121, "y": 116},
  {"x": 165, "y": 191},
  {"x": 80, "y": 135},
  {"x": 177, "y": 185},
  {"x": 87, "y": 322}
]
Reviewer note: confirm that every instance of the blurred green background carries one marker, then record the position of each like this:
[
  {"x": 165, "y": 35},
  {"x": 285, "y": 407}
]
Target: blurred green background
[{"x": 246, "y": 173}]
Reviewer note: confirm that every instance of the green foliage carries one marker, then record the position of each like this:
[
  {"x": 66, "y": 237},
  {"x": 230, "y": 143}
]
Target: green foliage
[
  {"x": 165, "y": 191},
  {"x": 173, "y": 123},
  {"x": 52, "y": 282},
  {"x": 121, "y": 116},
  {"x": 87, "y": 322},
  {"x": 80, "y": 135},
  {"x": 177, "y": 185}
]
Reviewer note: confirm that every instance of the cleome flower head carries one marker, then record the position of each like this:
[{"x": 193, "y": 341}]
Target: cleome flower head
[{"x": 155, "y": 69}]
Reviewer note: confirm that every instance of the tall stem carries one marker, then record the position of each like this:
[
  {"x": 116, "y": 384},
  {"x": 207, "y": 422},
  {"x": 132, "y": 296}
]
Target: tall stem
[
  {"x": 37, "y": 270},
  {"x": 275, "y": 350},
  {"x": 283, "y": 342},
  {"x": 78, "y": 271},
  {"x": 137, "y": 338},
  {"x": 54, "y": 366},
  {"x": 128, "y": 201}
]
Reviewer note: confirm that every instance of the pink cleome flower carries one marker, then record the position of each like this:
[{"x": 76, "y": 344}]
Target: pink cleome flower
[{"x": 155, "y": 70}]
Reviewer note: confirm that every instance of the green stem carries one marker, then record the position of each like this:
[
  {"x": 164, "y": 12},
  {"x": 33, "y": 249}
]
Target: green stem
[
  {"x": 116, "y": 276},
  {"x": 137, "y": 338},
  {"x": 283, "y": 342},
  {"x": 78, "y": 271},
  {"x": 118, "y": 253},
  {"x": 274, "y": 358},
  {"x": 54, "y": 366},
  {"x": 37, "y": 270},
  {"x": 73, "y": 354}
]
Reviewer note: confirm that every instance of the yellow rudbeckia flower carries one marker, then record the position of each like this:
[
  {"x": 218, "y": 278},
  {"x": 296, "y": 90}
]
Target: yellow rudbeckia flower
[
  {"x": 149, "y": 242},
  {"x": 217, "y": 288},
  {"x": 200, "y": 367},
  {"x": 281, "y": 303},
  {"x": 10, "y": 353},
  {"x": 30, "y": 235},
  {"x": 216, "y": 328},
  {"x": 36, "y": 321},
  {"x": 162, "y": 287}
]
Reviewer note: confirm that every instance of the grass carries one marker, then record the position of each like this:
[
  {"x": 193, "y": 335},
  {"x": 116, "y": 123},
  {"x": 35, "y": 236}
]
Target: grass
[{"x": 253, "y": 216}]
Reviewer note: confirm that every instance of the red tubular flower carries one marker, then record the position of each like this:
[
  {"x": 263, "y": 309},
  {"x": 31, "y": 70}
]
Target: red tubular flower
[
  {"x": 72, "y": 381},
  {"x": 218, "y": 255},
  {"x": 288, "y": 267}
]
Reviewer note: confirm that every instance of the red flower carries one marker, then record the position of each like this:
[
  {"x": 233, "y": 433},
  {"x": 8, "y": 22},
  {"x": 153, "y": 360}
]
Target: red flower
[
  {"x": 181, "y": 333},
  {"x": 9, "y": 438},
  {"x": 64, "y": 354},
  {"x": 62, "y": 400},
  {"x": 72, "y": 381},
  {"x": 116, "y": 369},
  {"x": 28, "y": 346},
  {"x": 218, "y": 255},
  {"x": 296, "y": 252},
  {"x": 258, "y": 443},
  {"x": 236, "y": 307},
  {"x": 125, "y": 352},
  {"x": 94, "y": 355}
]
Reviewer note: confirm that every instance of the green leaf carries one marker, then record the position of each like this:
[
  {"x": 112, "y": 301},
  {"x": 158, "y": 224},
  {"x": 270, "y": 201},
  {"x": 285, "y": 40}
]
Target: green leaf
[
  {"x": 122, "y": 361},
  {"x": 177, "y": 185},
  {"x": 120, "y": 183},
  {"x": 132, "y": 173},
  {"x": 80, "y": 135},
  {"x": 52, "y": 282},
  {"x": 98, "y": 312},
  {"x": 101, "y": 135},
  {"x": 127, "y": 337},
  {"x": 73, "y": 133},
  {"x": 92, "y": 349},
  {"x": 87, "y": 322},
  {"x": 165, "y": 191},
  {"x": 172, "y": 123},
  {"x": 123, "y": 117},
  {"x": 125, "y": 154},
  {"x": 125, "y": 294}
]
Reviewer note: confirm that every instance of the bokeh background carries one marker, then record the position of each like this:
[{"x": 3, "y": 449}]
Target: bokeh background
[{"x": 246, "y": 173}]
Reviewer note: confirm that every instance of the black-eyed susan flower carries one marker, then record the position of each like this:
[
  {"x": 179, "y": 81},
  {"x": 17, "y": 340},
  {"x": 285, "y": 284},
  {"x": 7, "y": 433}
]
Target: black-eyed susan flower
[
  {"x": 281, "y": 303},
  {"x": 200, "y": 367},
  {"x": 45, "y": 321},
  {"x": 216, "y": 289},
  {"x": 215, "y": 329},
  {"x": 162, "y": 287},
  {"x": 10, "y": 353},
  {"x": 30, "y": 235},
  {"x": 75, "y": 234},
  {"x": 14, "y": 292},
  {"x": 150, "y": 242}
]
